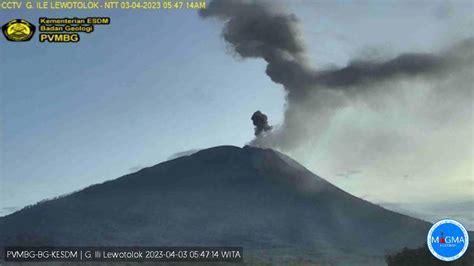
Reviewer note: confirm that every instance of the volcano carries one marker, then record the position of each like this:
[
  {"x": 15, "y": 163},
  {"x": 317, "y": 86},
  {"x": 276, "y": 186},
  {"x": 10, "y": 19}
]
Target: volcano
[{"x": 260, "y": 199}]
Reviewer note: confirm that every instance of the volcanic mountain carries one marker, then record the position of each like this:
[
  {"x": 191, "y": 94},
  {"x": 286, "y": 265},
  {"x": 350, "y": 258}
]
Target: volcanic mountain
[{"x": 256, "y": 198}]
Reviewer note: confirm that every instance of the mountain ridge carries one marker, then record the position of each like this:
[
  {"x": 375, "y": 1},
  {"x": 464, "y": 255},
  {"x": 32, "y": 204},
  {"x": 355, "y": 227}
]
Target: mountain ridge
[{"x": 257, "y": 198}]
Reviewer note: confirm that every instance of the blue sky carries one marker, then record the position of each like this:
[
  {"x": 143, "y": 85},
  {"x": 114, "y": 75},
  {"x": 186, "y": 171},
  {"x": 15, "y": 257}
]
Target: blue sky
[
  {"x": 151, "y": 84},
  {"x": 129, "y": 94}
]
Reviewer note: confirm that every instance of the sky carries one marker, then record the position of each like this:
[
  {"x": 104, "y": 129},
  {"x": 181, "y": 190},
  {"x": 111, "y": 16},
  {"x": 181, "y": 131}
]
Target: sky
[{"x": 155, "y": 83}]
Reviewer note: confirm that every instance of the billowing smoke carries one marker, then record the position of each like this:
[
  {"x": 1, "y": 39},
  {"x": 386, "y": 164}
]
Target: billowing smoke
[
  {"x": 260, "y": 121},
  {"x": 255, "y": 30}
]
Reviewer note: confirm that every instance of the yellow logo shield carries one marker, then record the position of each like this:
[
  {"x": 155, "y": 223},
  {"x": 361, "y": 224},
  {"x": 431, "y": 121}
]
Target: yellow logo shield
[{"x": 18, "y": 30}]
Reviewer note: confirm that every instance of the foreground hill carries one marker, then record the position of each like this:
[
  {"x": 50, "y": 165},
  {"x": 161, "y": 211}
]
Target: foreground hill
[
  {"x": 256, "y": 198},
  {"x": 422, "y": 257}
]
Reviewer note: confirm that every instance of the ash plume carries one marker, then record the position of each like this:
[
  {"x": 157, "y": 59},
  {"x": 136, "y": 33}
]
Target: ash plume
[
  {"x": 254, "y": 29},
  {"x": 260, "y": 121}
]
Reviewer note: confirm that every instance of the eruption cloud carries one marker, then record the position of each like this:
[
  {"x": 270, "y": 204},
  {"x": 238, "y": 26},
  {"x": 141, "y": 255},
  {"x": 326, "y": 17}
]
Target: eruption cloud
[
  {"x": 255, "y": 30},
  {"x": 260, "y": 121}
]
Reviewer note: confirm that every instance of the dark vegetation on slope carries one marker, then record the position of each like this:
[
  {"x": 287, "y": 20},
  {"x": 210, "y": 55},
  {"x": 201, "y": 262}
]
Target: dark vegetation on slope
[{"x": 423, "y": 257}]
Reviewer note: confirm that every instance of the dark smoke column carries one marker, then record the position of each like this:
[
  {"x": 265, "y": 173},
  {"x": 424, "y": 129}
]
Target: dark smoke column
[
  {"x": 260, "y": 121},
  {"x": 255, "y": 29}
]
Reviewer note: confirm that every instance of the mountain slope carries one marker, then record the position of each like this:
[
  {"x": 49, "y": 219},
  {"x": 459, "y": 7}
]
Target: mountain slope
[{"x": 255, "y": 198}]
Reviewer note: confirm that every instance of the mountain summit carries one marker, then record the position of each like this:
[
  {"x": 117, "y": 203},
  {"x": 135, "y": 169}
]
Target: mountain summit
[{"x": 256, "y": 198}]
